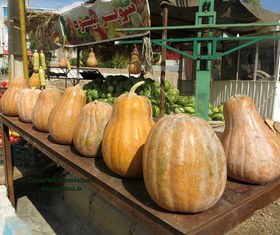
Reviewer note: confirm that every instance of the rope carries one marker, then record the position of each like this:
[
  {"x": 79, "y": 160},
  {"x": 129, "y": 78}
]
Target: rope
[
  {"x": 272, "y": 93},
  {"x": 147, "y": 55}
]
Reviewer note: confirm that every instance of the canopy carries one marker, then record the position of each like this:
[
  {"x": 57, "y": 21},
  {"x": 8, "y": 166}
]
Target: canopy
[
  {"x": 97, "y": 21},
  {"x": 182, "y": 12}
]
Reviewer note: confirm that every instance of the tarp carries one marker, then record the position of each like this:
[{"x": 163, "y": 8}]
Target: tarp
[{"x": 97, "y": 22}]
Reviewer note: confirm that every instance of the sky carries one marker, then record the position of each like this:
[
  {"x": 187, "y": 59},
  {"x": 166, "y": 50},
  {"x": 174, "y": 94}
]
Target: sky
[{"x": 64, "y": 5}]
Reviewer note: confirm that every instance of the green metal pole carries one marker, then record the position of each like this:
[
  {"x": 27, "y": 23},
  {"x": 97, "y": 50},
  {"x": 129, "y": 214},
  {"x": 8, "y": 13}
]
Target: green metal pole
[{"x": 207, "y": 14}]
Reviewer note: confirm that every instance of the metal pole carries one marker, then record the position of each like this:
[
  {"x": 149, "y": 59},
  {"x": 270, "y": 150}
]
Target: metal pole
[
  {"x": 163, "y": 62},
  {"x": 256, "y": 61},
  {"x": 23, "y": 38}
]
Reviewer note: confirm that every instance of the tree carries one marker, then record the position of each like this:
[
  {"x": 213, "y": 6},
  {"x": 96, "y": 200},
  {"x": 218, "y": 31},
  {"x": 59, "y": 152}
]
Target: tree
[{"x": 253, "y": 2}]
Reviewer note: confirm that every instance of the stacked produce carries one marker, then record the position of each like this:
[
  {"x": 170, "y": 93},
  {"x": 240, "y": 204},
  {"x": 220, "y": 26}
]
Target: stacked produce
[
  {"x": 114, "y": 85},
  {"x": 38, "y": 77}
]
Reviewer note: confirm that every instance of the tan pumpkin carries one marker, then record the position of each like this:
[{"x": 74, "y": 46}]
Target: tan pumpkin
[
  {"x": 26, "y": 101},
  {"x": 90, "y": 128},
  {"x": 252, "y": 148},
  {"x": 184, "y": 164},
  {"x": 91, "y": 60},
  {"x": 9, "y": 100},
  {"x": 126, "y": 134},
  {"x": 134, "y": 66},
  {"x": 34, "y": 80},
  {"x": 63, "y": 62},
  {"x": 64, "y": 115},
  {"x": 47, "y": 99}
]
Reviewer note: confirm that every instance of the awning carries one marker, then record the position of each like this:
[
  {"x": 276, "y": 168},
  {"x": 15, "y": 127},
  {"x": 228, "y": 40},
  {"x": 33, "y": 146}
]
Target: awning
[{"x": 182, "y": 12}]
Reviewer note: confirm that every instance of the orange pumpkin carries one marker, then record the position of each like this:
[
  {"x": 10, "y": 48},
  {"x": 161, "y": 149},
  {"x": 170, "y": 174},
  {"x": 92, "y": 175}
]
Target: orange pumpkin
[
  {"x": 252, "y": 148},
  {"x": 184, "y": 164},
  {"x": 126, "y": 134},
  {"x": 134, "y": 66},
  {"x": 47, "y": 99},
  {"x": 9, "y": 100},
  {"x": 26, "y": 101},
  {"x": 34, "y": 80},
  {"x": 64, "y": 115},
  {"x": 90, "y": 128},
  {"x": 91, "y": 60}
]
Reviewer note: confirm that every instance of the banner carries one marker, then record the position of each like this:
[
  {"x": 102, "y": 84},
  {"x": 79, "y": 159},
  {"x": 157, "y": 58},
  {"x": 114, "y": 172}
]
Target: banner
[{"x": 97, "y": 22}]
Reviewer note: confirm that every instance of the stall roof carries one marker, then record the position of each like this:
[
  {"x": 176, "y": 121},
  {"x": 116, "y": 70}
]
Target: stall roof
[{"x": 182, "y": 12}]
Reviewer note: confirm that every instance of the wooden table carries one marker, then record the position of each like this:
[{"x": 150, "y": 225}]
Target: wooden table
[{"x": 238, "y": 202}]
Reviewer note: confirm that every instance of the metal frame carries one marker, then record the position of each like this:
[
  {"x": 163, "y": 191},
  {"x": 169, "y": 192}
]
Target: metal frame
[{"x": 206, "y": 13}]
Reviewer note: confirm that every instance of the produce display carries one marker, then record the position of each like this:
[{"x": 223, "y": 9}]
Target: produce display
[
  {"x": 114, "y": 85},
  {"x": 9, "y": 100},
  {"x": 47, "y": 99},
  {"x": 14, "y": 137},
  {"x": 26, "y": 101},
  {"x": 65, "y": 114},
  {"x": 184, "y": 164},
  {"x": 90, "y": 128},
  {"x": 252, "y": 148},
  {"x": 126, "y": 134},
  {"x": 4, "y": 84}
]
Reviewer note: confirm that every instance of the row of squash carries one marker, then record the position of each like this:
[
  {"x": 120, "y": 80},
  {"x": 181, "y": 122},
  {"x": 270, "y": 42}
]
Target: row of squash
[{"x": 183, "y": 162}]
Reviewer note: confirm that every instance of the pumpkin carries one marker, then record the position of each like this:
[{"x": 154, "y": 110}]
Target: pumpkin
[
  {"x": 134, "y": 66},
  {"x": 47, "y": 99},
  {"x": 252, "y": 148},
  {"x": 34, "y": 80},
  {"x": 63, "y": 62},
  {"x": 9, "y": 100},
  {"x": 126, "y": 134},
  {"x": 90, "y": 128},
  {"x": 26, "y": 101},
  {"x": 65, "y": 113},
  {"x": 91, "y": 60},
  {"x": 184, "y": 164}
]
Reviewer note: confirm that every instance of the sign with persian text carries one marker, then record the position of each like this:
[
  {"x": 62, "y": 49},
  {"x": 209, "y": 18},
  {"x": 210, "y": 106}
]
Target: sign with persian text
[{"x": 97, "y": 22}]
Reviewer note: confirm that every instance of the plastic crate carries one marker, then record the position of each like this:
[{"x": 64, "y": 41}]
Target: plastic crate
[{"x": 25, "y": 156}]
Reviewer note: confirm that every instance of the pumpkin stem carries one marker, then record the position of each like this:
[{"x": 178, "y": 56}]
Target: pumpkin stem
[{"x": 135, "y": 86}]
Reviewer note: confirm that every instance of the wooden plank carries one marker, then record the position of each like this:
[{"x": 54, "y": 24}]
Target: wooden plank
[{"x": 238, "y": 202}]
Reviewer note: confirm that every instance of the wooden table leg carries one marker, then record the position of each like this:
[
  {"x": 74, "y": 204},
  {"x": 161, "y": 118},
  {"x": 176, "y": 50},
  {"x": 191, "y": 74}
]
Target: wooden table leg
[{"x": 9, "y": 181}]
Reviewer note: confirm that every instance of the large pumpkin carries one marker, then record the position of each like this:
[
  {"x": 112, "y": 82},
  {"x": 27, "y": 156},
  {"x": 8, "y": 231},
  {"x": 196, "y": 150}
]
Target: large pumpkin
[
  {"x": 252, "y": 148},
  {"x": 26, "y": 101},
  {"x": 184, "y": 164},
  {"x": 9, "y": 100},
  {"x": 65, "y": 113},
  {"x": 90, "y": 128},
  {"x": 126, "y": 134},
  {"x": 47, "y": 99}
]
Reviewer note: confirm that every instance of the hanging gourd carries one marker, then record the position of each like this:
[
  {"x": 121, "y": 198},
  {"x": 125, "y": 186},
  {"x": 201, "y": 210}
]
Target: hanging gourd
[
  {"x": 184, "y": 164},
  {"x": 36, "y": 61},
  {"x": 43, "y": 60},
  {"x": 63, "y": 62},
  {"x": 126, "y": 134},
  {"x": 65, "y": 113},
  {"x": 134, "y": 66},
  {"x": 91, "y": 60},
  {"x": 252, "y": 148},
  {"x": 26, "y": 101},
  {"x": 34, "y": 80},
  {"x": 42, "y": 77},
  {"x": 10, "y": 96},
  {"x": 90, "y": 128},
  {"x": 46, "y": 101}
]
